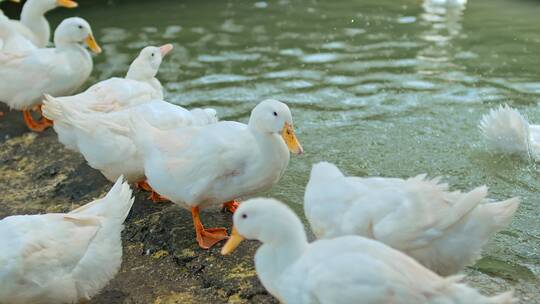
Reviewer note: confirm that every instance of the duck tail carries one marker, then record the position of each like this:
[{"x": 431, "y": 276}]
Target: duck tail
[
  {"x": 115, "y": 205},
  {"x": 499, "y": 214},
  {"x": 466, "y": 204},
  {"x": 506, "y": 130},
  {"x": 53, "y": 109}
]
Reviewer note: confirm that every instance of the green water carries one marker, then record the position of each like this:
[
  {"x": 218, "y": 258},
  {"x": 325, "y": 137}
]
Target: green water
[{"x": 380, "y": 87}]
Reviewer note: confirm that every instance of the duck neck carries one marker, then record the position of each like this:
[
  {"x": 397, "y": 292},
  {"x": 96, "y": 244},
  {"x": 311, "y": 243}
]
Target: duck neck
[
  {"x": 79, "y": 53},
  {"x": 140, "y": 74},
  {"x": 153, "y": 81},
  {"x": 273, "y": 258},
  {"x": 33, "y": 17},
  {"x": 273, "y": 152}
]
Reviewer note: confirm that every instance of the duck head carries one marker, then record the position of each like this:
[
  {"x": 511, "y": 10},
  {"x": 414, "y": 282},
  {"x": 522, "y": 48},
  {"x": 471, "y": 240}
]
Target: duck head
[
  {"x": 76, "y": 30},
  {"x": 146, "y": 65},
  {"x": 274, "y": 117},
  {"x": 266, "y": 220}
]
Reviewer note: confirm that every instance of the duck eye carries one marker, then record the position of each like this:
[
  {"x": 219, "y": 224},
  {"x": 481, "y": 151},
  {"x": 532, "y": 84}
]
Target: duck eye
[
  {"x": 244, "y": 216},
  {"x": 275, "y": 113},
  {"x": 152, "y": 54},
  {"x": 80, "y": 27}
]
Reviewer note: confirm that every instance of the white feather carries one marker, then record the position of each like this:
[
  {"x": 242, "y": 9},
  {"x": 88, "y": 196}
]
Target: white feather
[
  {"x": 443, "y": 230},
  {"x": 63, "y": 258}
]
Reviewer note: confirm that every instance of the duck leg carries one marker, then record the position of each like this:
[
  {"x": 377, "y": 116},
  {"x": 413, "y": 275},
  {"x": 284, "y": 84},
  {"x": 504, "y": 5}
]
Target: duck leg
[
  {"x": 36, "y": 126},
  {"x": 154, "y": 196},
  {"x": 206, "y": 237},
  {"x": 231, "y": 206}
]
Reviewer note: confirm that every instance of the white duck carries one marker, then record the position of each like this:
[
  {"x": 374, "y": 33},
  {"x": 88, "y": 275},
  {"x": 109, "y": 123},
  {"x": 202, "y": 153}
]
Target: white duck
[
  {"x": 506, "y": 130},
  {"x": 114, "y": 94},
  {"x": 344, "y": 270},
  {"x": 105, "y": 141},
  {"x": 57, "y": 71},
  {"x": 63, "y": 257},
  {"x": 4, "y": 19},
  {"x": 11, "y": 43},
  {"x": 198, "y": 167},
  {"x": 33, "y": 24},
  {"x": 442, "y": 230}
]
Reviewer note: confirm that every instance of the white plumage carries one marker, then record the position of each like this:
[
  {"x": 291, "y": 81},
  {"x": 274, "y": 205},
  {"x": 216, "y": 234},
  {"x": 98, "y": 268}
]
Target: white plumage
[
  {"x": 343, "y": 270},
  {"x": 115, "y": 94},
  {"x": 216, "y": 163},
  {"x": 106, "y": 142},
  {"x": 33, "y": 24},
  {"x": 12, "y": 43},
  {"x": 197, "y": 167},
  {"x": 506, "y": 130},
  {"x": 57, "y": 71},
  {"x": 443, "y": 230},
  {"x": 64, "y": 257}
]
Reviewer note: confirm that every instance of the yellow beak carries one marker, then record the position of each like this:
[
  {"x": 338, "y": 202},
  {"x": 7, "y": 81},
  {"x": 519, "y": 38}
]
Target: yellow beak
[
  {"x": 291, "y": 140},
  {"x": 16, "y": 1},
  {"x": 92, "y": 44},
  {"x": 67, "y": 3},
  {"x": 234, "y": 240}
]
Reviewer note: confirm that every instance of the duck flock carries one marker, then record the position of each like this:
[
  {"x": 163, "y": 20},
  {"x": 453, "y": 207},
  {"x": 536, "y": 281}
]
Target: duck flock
[{"x": 380, "y": 240}]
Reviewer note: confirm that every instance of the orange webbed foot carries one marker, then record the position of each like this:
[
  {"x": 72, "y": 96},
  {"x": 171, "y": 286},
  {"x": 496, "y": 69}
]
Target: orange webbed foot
[
  {"x": 207, "y": 237},
  {"x": 211, "y": 236},
  {"x": 154, "y": 196},
  {"x": 231, "y": 206},
  {"x": 37, "y": 126}
]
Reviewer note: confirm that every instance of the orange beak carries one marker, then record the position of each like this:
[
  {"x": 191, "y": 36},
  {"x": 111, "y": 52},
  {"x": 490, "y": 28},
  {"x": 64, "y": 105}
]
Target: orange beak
[
  {"x": 67, "y": 3},
  {"x": 92, "y": 44}
]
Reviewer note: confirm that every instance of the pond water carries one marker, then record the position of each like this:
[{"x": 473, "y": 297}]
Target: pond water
[{"x": 379, "y": 87}]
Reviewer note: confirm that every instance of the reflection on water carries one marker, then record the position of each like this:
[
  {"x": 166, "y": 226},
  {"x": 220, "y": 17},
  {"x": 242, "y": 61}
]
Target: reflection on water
[
  {"x": 380, "y": 87},
  {"x": 443, "y": 24}
]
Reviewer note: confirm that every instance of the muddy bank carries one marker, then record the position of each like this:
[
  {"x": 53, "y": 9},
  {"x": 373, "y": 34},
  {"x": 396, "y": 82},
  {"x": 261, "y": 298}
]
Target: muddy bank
[{"x": 162, "y": 262}]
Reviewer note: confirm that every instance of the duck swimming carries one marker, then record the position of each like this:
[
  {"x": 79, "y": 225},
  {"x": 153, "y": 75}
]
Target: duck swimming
[{"x": 506, "y": 130}]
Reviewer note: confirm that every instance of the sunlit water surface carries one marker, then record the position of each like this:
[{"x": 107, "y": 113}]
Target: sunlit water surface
[{"x": 390, "y": 88}]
